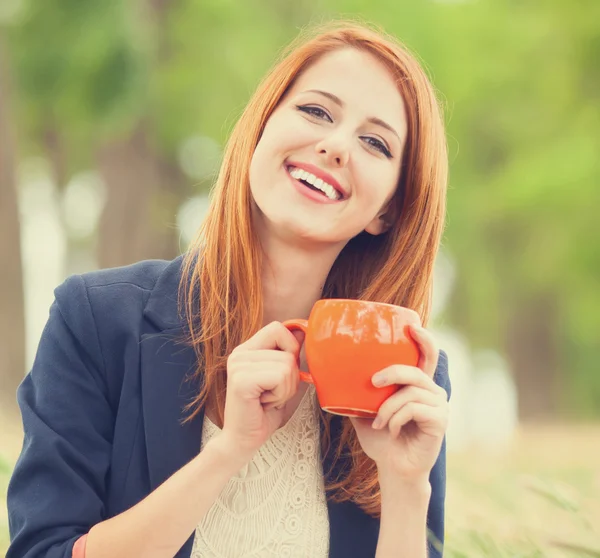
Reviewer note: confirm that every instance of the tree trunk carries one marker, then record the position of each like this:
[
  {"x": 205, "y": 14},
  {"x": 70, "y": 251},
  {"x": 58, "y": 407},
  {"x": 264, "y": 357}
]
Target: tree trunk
[
  {"x": 12, "y": 314},
  {"x": 55, "y": 152},
  {"x": 533, "y": 349},
  {"x": 143, "y": 194},
  {"x": 143, "y": 189}
]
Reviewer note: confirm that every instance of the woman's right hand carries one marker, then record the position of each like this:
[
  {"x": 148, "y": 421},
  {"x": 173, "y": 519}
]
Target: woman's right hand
[{"x": 262, "y": 375}]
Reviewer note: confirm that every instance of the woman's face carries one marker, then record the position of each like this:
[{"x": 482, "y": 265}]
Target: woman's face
[{"x": 328, "y": 161}]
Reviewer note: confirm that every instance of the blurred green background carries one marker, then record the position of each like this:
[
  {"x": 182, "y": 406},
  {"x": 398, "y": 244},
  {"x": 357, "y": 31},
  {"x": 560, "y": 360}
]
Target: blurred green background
[{"x": 113, "y": 116}]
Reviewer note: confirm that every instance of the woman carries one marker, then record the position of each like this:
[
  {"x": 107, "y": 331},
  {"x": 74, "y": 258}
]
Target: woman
[{"x": 156, "y": 428}]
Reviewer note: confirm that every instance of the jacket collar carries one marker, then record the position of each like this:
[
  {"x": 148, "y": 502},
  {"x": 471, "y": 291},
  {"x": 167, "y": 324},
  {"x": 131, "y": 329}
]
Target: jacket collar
[
  {"x": 168, "y": 382},
  {"x": 162, "y": 309}
]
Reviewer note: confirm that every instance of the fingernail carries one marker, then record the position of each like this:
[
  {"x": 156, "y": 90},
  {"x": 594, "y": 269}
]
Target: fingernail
[
  {"x": 377, "y": 423},
  {"x": 379, "y": 379}
]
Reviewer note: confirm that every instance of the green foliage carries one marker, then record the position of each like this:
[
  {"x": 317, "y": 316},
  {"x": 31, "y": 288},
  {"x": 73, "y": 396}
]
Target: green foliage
[
  {"x": 519, "y": 80},
  {"x": 521, "y": 88}
]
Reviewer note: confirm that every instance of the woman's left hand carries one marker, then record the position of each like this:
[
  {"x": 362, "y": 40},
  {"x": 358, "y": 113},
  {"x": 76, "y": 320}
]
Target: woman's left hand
[{"x": 405, "y": 438}]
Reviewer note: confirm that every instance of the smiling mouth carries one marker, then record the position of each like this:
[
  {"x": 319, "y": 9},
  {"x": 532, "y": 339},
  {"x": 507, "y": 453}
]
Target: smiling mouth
[{"x": 314, "y": 183}]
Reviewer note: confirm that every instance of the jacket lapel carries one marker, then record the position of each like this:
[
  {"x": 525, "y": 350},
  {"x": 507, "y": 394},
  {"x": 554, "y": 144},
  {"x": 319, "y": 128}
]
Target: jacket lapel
[
  {"x": 166, "y": 366},
  {"x": 170, "y": 444}
]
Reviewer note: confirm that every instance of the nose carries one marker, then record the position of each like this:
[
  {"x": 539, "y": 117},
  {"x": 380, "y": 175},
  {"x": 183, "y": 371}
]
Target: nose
[{"x": 334, "y": 150}]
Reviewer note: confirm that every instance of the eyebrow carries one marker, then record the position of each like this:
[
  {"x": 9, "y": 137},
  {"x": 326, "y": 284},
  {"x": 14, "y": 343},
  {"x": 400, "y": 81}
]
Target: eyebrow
[{"x": 339, "y": 102}]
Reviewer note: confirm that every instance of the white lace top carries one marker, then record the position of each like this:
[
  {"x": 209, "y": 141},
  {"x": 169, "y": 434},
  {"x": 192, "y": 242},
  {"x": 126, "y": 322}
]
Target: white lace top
[{"x": 275, "y": 506}]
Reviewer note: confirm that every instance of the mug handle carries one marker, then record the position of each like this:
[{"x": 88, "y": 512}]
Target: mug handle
[{"x": 300, "y": 325}]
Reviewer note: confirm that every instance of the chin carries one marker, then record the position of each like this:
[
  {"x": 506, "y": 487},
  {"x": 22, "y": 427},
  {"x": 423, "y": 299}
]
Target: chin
[
  {"x": 308, "y": 234},
  {"x": 289, "y": 221}
]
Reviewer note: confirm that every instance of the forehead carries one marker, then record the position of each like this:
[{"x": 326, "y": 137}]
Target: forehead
[{"x": 360, "y": 80}]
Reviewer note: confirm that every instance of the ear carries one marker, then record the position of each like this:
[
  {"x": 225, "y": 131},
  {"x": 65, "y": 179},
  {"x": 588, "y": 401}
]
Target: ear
[{"x": 382, "y": 222}]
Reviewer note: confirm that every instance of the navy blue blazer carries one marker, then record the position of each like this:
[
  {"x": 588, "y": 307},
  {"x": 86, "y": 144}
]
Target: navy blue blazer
[{"x": 102, "y": 409}]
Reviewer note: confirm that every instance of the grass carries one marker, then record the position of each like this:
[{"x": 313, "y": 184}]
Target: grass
[{"x": 539, "y": 498}]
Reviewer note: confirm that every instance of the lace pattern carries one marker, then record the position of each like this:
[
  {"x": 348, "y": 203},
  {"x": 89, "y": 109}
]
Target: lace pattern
[{"x": 275, "y": 506}]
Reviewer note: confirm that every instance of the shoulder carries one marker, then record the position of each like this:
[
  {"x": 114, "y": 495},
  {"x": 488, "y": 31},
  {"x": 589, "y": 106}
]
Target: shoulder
[
  {"x": 138, "y": 276},
  {"x": 115, "y": 285},
  {"x": 119, "y": 296},
  {"x": 100, "y": 317}
]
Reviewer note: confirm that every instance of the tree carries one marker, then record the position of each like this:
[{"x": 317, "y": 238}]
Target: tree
[{"x": 12, "y": 319}]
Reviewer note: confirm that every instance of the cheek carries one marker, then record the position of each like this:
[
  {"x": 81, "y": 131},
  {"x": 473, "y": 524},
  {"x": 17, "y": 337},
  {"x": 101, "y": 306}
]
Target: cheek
[
  {"x": 287, "y": 132},
  {"x": 265, "y": 153},
  {"x": 256, "y": 167},
  {"x": 378, "y": 184}
]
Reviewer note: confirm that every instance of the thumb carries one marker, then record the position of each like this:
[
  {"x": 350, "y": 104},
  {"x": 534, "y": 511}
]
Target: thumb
[{"x": 360, "y": 423}]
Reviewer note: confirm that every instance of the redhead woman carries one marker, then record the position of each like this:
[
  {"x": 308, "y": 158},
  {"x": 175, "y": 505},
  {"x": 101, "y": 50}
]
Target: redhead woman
[{"x": 164, "y": 416}]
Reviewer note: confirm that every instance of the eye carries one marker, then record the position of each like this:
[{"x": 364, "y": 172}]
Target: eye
[
  {"x": 316, "y": 112},
  {"x": 378, "y": 145}
]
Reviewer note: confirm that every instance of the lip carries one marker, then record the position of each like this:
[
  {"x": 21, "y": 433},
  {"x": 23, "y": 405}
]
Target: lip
[{"x": 324, "y": 176}]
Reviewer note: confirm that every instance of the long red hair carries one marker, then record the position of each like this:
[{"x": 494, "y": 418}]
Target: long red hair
[{"x": 222, "y": 269}]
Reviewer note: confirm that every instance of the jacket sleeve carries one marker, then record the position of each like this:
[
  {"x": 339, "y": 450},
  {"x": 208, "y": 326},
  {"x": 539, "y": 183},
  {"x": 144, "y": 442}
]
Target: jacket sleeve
[
  {"x": 437, "y": 477},
  {"x": 58, "y": 486}
]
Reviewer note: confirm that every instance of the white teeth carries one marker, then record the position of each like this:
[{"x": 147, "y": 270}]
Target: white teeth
[{"x": 318, "y": 183}]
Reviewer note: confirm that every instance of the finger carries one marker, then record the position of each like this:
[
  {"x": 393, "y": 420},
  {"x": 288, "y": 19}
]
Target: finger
[
  {"x": 361, "y": 424},
  {"x": 399, "y": 399},
  {"x": 278, "y": 397},
  {"x": 273, "y": 336},
  {"x": 289, "y": 383},
  {"x": 428, "y": 349},
  {"x": 257, "y": 380},
  {"x": 401, "y": 374},
  {"x": 265, "y": 356},
  {"x": 276, "y": 406},
  {"x": 250, "y": 363},
  {"x": 430, "y": 420},
  {"x": 295, "y": 377},
  {"x": 267, "y": 397},
  {"x": 287, "y": 386}
]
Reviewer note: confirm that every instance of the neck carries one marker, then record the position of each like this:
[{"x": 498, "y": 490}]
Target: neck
[{"x": 293, "y": 278}]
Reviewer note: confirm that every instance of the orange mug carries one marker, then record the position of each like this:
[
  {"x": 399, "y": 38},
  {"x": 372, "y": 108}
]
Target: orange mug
[{"x": 347, "y": 342}]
